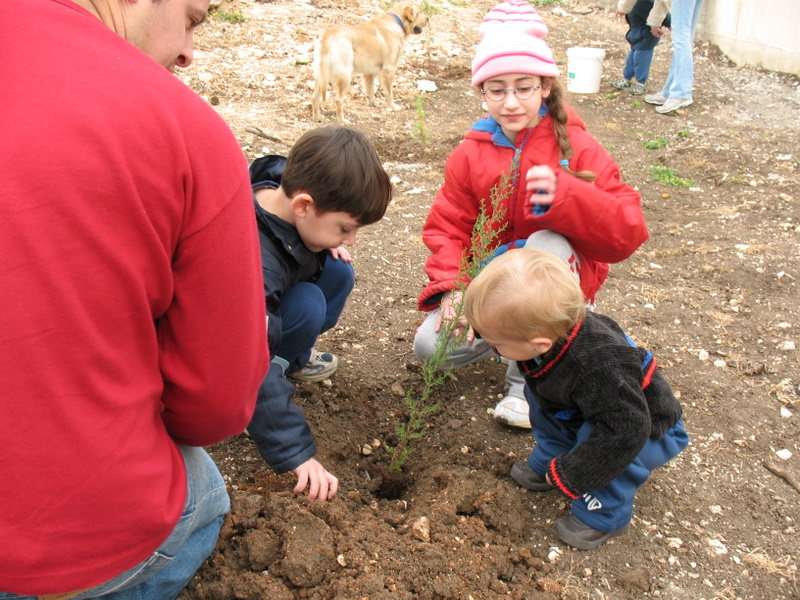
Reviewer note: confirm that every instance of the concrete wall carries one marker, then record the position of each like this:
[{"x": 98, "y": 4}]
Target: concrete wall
[{"x": 759, "y": 33}]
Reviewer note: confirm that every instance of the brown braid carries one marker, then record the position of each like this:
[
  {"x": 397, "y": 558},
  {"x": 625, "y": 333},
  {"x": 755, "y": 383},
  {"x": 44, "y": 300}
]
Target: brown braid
[{"x": 556, "y": 106}]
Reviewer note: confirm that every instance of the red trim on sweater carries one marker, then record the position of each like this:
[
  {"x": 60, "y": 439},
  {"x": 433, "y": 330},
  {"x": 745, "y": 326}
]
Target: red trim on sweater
[
  {"x": 649, "y": 373},
  {"x": 568, "y": 343},
  {"x": 556, "y": 480}
]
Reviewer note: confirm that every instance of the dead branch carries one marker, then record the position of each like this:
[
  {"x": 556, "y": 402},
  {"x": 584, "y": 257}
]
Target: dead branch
[
  {"x": 790, "y": 479},
  {"x": 260, "y": 133}
]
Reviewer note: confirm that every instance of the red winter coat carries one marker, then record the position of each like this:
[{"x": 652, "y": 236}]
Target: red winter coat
[{"x": 602, "y": 220}]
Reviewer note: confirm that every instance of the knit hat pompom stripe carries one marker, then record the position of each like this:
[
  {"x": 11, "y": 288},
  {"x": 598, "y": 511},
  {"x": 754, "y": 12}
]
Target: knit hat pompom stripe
[
  {"x": 518, "y": 60},
  {"x": 516, "y": 13},
  {"x": 512, "y": 42}
]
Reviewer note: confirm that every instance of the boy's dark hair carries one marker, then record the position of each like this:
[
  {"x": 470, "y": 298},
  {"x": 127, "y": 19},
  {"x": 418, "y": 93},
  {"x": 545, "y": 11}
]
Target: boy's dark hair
[{"x": 339, "y": 168}]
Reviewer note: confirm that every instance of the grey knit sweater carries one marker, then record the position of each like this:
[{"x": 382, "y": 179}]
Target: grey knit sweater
[{"x": 597, "y": 375}]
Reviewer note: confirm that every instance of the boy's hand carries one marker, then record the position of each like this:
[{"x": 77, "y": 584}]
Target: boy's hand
[
  {"x": 321, "y": 484},
  {"x": 341, "y": 253}
]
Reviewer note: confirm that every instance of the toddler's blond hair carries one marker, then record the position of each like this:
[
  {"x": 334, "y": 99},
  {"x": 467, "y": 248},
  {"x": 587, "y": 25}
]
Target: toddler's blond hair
[{"x": 523, "y": 294}]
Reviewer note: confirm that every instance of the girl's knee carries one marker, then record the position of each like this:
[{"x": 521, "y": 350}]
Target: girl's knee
[
  {"x": 423, "y": 346},
  {"x": 425, "y": 338}
]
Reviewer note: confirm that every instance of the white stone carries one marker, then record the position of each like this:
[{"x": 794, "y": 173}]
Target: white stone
[{"x": 718, "y": 546}]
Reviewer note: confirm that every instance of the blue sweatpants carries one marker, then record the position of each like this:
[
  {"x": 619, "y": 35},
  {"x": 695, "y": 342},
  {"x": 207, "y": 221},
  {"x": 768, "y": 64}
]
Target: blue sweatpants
[
  {"x": 312, "y": 308},
  {"x": 637, "y": 65},
  {"x": 609, "y": 508}
]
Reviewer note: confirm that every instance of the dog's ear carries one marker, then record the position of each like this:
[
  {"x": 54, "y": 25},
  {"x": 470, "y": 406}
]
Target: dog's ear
[{"x": 410, "y": 13}]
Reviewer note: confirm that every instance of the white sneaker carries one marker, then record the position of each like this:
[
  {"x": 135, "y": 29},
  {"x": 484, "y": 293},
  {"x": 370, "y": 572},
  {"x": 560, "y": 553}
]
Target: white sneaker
[
  {"x": 657, "y": 98},
  {"x": 319, "y": 367},
  {"x": 673, "y": 104},
  {"x": 513, "y": 412}
]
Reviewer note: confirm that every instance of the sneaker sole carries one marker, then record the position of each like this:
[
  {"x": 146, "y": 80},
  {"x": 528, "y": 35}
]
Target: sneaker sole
[
  {"x": 660, "y": 110},
  {"x": 315, "y": 378},
  {"x": 656, "y": 102},
  {"x": 509, "y": 423},
  {"x": 576, "y": 542}
]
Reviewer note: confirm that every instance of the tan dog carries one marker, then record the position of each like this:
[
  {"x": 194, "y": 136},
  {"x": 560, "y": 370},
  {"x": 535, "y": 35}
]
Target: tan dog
[{"x": 369, "y": 49}]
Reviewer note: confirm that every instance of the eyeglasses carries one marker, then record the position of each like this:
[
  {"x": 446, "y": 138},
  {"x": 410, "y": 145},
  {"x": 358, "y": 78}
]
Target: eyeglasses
[{"x": 522, "y": 92}]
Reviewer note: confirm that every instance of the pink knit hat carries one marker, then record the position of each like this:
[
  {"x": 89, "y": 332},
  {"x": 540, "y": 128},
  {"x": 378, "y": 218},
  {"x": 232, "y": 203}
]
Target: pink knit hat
[{"x": 512, "y": 41}]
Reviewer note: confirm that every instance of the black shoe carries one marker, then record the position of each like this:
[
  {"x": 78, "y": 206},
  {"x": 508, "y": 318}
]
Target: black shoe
[
  {"x": 579, "y": 535},
  {"x": 528, "y": 478}
]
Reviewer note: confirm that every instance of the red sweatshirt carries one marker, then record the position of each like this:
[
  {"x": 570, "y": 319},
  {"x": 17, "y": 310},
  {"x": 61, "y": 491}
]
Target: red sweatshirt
[
  {"x": 603, "y": 221},
  {"x": 131, "y": 302}
]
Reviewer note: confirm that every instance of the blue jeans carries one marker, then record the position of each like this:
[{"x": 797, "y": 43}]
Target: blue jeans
[
  {"x": 685, "y": 14},
  {"x": 312, "y": 308},
  {"x": 611, "y": 507},
  {"x": 637, "y": 65},
  {"x": 166, "y": 572}
]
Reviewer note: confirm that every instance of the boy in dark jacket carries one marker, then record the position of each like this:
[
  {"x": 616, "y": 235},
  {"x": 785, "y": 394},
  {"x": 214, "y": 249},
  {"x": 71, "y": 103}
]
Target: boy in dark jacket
[
  {"x": 647, "y": 20},
  {"x": 601, "y": 412},
  {"x": 308, "y": 207}
]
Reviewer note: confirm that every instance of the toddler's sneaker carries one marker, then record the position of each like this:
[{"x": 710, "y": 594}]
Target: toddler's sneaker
[
  {"x": 319, "y": 367},
  {"x": 513, "y": 412},
  {"x": 579, "y": 535},
  {"x": 657, "y": 98},
  {"x": 637, "y": 89},
  {"x": 673, "y": 104},
  {"x": 622, "y": 84},
  {"x": 528, "y": 478}
]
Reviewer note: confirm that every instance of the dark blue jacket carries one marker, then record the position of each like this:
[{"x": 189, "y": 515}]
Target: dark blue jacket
[
  {"x": 639, "y": 36},
  {"x": 278, "y": 427}
]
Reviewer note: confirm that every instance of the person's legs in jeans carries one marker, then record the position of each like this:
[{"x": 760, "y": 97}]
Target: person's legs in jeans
[
  {"x": 310, "y": 309},
  {"x": 166, "y": 572},
  {"x": 628, "y": 72},
  {"x": 641, "y": 64},
  {"x": 685, "y": 14},
  {"x": 336, "y": 282}
]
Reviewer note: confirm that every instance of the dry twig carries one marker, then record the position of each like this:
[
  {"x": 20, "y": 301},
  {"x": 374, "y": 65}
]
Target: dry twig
[{"x": 790, "y": 479}]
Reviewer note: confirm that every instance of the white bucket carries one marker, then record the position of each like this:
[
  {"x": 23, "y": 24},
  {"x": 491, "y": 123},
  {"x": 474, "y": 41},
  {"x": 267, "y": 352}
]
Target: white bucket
[{"x": 584, "y": 68}]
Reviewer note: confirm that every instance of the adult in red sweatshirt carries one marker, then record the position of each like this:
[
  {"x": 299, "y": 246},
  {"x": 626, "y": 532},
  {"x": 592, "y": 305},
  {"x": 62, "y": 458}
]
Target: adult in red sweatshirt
[{"x": 131, "y": 306}]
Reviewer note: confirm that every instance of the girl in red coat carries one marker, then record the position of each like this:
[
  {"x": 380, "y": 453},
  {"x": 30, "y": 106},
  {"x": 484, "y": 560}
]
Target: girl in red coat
[{"x": 569, "y": 199}]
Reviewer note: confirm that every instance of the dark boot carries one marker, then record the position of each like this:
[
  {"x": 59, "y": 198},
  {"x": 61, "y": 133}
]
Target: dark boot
[
  {"x": 579, "y": 535},
  {"x": 528, "y": 478}
]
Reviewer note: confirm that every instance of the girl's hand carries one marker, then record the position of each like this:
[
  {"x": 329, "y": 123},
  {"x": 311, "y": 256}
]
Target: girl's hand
[
  {"x": 451, "y": 302},
  {"x": 341, "y": 253},
  {"x": 541, "y": 185}
]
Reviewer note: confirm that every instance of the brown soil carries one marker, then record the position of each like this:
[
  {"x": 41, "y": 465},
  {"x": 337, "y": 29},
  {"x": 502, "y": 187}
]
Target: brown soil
[{"x": 713, "y": 293}]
